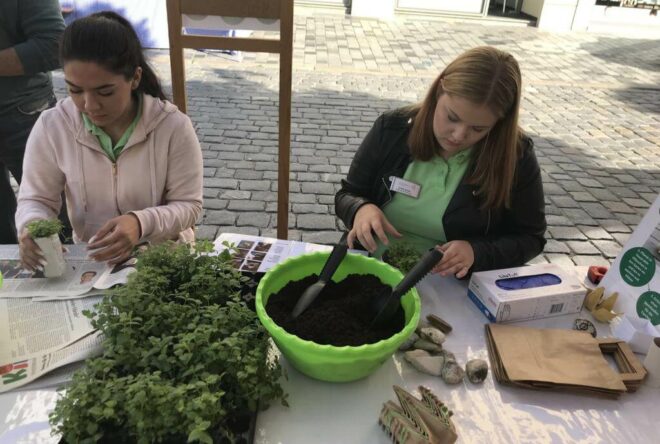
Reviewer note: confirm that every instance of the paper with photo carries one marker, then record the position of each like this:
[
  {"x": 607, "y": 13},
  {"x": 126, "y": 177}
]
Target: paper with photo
[
  {"x": 259, "y": 254},
  {"x": 82, "y": 276},
  {"x": 116, "y": 275}
]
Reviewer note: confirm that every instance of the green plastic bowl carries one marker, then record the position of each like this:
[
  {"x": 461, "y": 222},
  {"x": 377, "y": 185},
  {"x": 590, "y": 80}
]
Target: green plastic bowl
[{"x": 328, "y": 362}]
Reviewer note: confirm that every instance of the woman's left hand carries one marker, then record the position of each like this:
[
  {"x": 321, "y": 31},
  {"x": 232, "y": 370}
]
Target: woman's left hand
[
  {"x": 115, "y": 240},
  {"x": 457, "y": 259}
]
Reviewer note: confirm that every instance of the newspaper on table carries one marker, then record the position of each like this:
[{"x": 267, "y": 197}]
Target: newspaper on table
[
  {"x": 83, "y": 276},
  {"x": 259, "y": 254},
  {"x": 38, "y": 337},
  {"x": 17, "y": 373},
  {"x": 31, "y": 328},
  {"x": 48, "y": 332},
  {"x": 53, "y": 379}
]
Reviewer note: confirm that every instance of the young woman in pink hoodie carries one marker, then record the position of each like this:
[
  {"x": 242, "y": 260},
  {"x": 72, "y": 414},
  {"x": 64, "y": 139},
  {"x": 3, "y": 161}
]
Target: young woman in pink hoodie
[{"x": 128, "y": 160}]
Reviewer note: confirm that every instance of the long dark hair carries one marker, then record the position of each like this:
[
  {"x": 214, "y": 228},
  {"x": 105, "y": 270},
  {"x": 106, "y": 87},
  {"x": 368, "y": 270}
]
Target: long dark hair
[
  {"x": 484, "y": 76},
  {"x": 108, "y": 39}
]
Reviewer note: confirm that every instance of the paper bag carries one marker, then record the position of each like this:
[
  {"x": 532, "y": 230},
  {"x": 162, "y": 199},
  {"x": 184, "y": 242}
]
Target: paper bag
[{"x": 552, "y": 359}]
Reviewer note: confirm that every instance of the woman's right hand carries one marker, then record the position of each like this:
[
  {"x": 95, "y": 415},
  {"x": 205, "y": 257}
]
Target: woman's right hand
[
  {"x": 31, "y": 256},
  {"x": 369, "y": 218}
]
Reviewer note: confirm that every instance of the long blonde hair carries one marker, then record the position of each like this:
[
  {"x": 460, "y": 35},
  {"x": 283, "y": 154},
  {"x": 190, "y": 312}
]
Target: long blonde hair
[{"x": 483, "y": 76}]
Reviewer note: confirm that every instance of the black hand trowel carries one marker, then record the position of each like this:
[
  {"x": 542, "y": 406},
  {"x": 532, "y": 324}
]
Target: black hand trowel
[
  {"x": 385, "y": 306},
  {"x": 336, "y": 256}
]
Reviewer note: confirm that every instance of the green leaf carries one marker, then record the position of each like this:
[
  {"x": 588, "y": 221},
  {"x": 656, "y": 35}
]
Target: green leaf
[
  {"x": 199, "y": 435},
  {"x": 402, "y": 255},
  {"x": 44, "y": 228}
]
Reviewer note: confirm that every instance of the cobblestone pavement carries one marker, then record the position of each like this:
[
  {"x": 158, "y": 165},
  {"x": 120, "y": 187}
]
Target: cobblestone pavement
[{"x": 591, "y": 104}]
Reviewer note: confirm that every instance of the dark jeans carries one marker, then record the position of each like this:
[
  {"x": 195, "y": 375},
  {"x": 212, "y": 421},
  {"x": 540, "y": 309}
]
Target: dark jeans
[{"x": 15, "y": 127}]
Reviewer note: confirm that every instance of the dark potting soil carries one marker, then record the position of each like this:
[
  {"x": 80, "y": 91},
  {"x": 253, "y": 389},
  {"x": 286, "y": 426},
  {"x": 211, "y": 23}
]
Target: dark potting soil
[{"x": 339, "y": 315}]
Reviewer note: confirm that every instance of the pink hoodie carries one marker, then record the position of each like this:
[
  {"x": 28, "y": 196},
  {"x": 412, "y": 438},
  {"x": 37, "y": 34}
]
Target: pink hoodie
[{"x": 158, "y": 176}]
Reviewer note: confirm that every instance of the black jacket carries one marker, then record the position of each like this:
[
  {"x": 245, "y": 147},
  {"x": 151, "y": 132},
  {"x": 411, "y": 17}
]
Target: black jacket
[{"x": 500, "y": 238}]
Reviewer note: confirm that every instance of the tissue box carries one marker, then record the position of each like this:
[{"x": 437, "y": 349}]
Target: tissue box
[{"x": 522, "y": 293}]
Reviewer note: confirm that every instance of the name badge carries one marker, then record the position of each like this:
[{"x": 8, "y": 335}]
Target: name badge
[{"x": 404, "y": 187}]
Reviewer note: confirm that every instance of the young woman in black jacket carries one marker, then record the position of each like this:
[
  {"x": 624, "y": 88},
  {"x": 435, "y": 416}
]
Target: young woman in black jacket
[{"x": 454, "y": 171}]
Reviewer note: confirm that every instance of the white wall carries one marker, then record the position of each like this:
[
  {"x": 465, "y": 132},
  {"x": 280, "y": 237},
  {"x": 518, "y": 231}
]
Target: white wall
[
  {"x": 627, "y": 22},
  {"x": 532, "y": 7},
  {"x": 380, "y": 9},
  {"x": 557, "y": 15},
  {"x": 461, "y": 6}
]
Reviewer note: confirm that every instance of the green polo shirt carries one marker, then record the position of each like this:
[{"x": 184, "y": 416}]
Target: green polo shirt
[
  {"x": 419, "y": 219},
  {"x": 105, "y": 141}
]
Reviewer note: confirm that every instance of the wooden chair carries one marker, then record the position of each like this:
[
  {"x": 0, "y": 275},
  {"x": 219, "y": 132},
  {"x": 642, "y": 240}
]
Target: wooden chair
[{"x": 281, "y": 10}]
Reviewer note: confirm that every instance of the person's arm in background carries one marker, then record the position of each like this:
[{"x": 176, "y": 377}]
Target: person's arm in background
[
  {"x": 525, "y": 219},
  {"x": 10, "y": 64},
  {"x": 356, "y": 188},
  {"x": 39, "y": 196},
  {"x": 41, "y": 22},
  {"x": 354, "y": 203},
  {"x": 40, "y": 193}
]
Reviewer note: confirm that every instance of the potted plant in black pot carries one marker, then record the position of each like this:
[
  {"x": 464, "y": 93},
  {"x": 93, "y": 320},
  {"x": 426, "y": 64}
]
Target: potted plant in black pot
[{"x": 184, "y": 359}]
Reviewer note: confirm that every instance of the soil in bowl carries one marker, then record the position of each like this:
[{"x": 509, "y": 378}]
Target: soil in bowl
[{"x": 340, "y": 314}]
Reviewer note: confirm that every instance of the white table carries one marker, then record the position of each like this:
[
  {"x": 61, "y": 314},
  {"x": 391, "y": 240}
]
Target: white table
[
  {"x": 348, "y": 413},
  {"x": 24, "y": 416},
  {"x": 487, "y": 413}
]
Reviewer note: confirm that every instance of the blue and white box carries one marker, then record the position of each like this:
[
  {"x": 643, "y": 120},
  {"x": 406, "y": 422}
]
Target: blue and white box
[{"x": 523, "y": 293}]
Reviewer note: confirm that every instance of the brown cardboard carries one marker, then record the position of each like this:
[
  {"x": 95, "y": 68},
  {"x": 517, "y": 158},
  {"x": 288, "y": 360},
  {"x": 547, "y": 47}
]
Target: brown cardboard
[{"x": 565, "y": 360}]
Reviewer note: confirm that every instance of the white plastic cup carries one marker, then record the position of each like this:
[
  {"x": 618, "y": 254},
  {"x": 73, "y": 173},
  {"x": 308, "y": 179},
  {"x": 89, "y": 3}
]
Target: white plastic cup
[{"x": 51, "y": 247}]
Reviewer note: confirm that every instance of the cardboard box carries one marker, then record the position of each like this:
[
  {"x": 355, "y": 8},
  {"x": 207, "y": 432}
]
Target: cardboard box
[{"x": 522, "y": 293}]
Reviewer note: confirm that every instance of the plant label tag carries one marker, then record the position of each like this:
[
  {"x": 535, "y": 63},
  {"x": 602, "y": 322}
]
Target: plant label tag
[{"x": 404, "y": 187}]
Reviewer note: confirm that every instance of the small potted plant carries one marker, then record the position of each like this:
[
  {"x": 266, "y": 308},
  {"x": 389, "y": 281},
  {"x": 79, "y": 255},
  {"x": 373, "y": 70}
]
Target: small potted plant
[
  {"x": 401, "y": 255},
  {"x": 45, "y": 233}
]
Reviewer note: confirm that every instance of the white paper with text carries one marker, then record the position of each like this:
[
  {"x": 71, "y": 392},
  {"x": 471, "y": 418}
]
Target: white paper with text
[{"x": 28, "y": 328}]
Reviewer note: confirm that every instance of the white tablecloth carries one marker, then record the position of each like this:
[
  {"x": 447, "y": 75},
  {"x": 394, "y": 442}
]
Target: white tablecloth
[
  {"x": 348, "y": 413},
  {"x": 487, "y": 413}
]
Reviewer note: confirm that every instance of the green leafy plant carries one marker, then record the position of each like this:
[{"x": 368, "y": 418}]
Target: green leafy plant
[
  {"x": 44, "y": 228},
  {"x": 184, "y": 358},
  {"x": 401, "y": 255}
]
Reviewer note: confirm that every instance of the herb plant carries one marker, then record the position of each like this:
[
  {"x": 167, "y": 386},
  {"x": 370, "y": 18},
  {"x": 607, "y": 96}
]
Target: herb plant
[
  {"x": 184, "y": 359},
  {"x": 44, "y": 228},
  {"x": 401, "y": 255}
]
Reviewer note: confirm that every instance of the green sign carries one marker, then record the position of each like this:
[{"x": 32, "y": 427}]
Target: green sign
[
  {"x": 637, "y": 267},
  {"x": 648, "y": 306}
]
